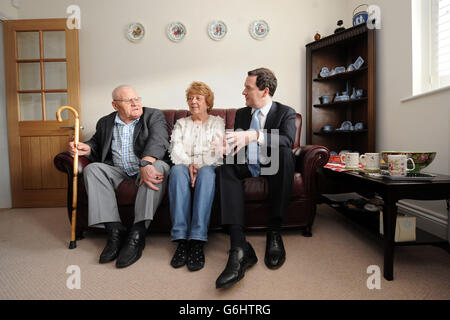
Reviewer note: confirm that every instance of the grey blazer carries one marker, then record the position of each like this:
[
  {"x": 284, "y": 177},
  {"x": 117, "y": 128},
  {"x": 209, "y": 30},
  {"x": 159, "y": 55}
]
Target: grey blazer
[{"x": 151, "y": 137}]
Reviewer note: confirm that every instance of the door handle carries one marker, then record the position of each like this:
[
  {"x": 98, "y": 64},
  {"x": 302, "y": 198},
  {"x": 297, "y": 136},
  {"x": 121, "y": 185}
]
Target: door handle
[{"x": 71, "y": 127}]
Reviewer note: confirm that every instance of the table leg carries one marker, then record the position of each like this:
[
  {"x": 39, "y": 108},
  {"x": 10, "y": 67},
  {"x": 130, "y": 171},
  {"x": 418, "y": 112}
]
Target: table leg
[
  {"x": 448, "y": 215},
  {"x": 389, "y": 224}
]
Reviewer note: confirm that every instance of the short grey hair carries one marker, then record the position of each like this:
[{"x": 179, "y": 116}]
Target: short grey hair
[{"x": 119, "y": 88}]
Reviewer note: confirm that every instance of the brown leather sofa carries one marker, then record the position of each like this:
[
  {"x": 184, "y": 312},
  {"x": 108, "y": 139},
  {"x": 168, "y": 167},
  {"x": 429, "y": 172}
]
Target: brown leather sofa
[{"x": 300, "y": 213}]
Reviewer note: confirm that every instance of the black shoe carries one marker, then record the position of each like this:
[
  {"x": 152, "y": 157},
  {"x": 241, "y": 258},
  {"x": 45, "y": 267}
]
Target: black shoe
[
  {"x": 196, "y": 257},
  {"x": 239, "y": 260},
  {"x": 116, "y": 238},
  {"x": 275, "y": 253},
  {"x": 180, "y": 255},
  {"x": 132, "y": 249}
]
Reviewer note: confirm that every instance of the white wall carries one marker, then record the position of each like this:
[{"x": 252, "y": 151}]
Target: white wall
[
  {"x": 161, "y": 70},
  {"x": 7, "y": 10}
]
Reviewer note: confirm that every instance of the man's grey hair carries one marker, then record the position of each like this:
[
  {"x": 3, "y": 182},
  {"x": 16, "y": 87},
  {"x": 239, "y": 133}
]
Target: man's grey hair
[{"x": 115, "y": 92}]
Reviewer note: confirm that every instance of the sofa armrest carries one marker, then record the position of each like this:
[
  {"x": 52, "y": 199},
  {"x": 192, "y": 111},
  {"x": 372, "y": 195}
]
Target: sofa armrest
[
  {"x": 308, "y": 159},
  {"x": 64, "y": 162}
]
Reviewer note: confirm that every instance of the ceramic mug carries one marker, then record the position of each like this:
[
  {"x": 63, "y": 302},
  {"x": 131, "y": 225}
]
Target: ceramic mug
[
  {"x": 371, "y": 162},
  {"x": 398, "y": 164},
  {"x": 351, "y": 160}
]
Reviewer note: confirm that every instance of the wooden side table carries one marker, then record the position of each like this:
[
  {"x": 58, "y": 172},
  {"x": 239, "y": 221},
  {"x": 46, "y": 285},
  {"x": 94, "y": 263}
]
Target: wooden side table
[{"x": 391, "y": 192}]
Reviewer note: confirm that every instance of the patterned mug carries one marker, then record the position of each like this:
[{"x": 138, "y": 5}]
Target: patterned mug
[
  {"x": 398, "y": 164},
  {"x": 371, "y": 162}
]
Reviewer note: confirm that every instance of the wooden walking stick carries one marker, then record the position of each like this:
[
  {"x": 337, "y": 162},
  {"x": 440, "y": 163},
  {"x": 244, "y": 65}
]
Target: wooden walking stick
[{"x": 73, "y": 240}]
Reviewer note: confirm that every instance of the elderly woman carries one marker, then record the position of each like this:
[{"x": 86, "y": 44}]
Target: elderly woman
[{"x": 193, "y": 172}]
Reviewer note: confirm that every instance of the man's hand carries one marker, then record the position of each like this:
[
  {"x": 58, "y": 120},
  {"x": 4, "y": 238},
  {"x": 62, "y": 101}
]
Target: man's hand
[
  {"x": 150, "y": 176},
  {"x": 193, "y": 171},
  {"x": 83, "y": 149},
  {"x": 239, "y": 139},
  {"x": 219, "y": 145}
]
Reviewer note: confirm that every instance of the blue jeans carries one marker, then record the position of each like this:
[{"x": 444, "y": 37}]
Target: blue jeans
[{"x": 180, "y": 202}]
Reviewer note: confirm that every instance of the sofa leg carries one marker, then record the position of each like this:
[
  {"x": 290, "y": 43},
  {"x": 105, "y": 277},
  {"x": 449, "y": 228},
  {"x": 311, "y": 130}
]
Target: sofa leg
[{"x": 307, "y": 232}]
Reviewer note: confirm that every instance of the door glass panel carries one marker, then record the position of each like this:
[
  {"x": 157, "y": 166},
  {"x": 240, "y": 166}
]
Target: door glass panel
[
  {"x": 55, "y": 75},
  {"x": 28, "y": 45},
  {"x": 54, "y": 44},
  {"x": 30, "y": 106},
  {"x": 52, "y": 102},
  {"x": 29, "y": 76}
]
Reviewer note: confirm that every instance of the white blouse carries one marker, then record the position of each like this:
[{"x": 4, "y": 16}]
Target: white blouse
[{"x": 191, "y": 141}]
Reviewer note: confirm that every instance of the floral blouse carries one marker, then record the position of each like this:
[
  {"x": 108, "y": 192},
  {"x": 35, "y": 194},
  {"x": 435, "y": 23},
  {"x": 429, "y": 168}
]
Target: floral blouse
[{"x": 191, "y": 141}]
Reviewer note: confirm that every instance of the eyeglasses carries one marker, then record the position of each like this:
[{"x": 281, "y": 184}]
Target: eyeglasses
[{"x": 128, "y": 101}]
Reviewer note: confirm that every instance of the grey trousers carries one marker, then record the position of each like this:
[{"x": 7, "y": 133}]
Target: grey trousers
[{"x": 101, "y": 180}]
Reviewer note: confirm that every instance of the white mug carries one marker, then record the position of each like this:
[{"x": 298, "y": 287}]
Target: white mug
[
  {"x": 398, "y": 164},
  {"x": 351, "y": 160},
  {"x": 371, "y": 162}
]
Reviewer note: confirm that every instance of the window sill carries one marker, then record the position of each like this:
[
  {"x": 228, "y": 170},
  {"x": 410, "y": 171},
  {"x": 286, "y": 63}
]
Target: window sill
[{"x": 425, "y": 94}]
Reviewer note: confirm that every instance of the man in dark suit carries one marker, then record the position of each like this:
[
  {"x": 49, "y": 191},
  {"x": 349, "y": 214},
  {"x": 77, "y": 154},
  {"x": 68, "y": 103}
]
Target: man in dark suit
[
  {"x": 130, "y": 143},
  {"x": 262, "y": 125}
]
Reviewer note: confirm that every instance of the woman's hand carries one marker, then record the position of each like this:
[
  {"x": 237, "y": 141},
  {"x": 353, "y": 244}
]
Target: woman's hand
[{"x": 193, "y": 171}]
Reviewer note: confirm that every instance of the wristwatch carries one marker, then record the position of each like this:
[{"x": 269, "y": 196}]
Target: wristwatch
[{"x": 144, "y": 163}]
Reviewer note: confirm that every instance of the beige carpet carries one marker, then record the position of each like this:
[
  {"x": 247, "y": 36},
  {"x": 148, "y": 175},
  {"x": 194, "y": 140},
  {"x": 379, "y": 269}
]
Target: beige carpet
[{"x": 330, "y": 265}]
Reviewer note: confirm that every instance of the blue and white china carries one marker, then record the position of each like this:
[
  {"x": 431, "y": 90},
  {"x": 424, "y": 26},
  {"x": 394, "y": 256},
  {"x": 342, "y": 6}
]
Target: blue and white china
[
  {"x": 353, "y": 96},
  {"x": 343, "y": 97},
  {"x": 325, "y": 99},
  {"x": 361, "y": 15},
  {"x": 346, "y": 125},
  {"x": 352, "y": 128},
  {"x": 359, "y": 93},
  {"x": 359, "y": 126},
  {"x": 339, "y": 69},
  {"x": 326, "y": 128},
  {"x": 351, "y": 68},
  {"x": 324, "y": 72},
  {"x": 358, "y": 63}
]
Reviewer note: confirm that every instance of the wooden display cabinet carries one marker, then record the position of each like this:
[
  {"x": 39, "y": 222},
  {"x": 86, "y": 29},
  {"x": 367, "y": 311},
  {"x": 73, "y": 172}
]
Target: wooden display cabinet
[{"x": 337, "y": 50}]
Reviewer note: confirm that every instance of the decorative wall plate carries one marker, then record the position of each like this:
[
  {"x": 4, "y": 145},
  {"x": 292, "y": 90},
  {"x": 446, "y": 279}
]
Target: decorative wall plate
[
  {"x": 135, "y": 32},
  {"x": 259, "y": 29},
  {"x": 176, "y": 31},
  {"x": 217, "y": 30}
]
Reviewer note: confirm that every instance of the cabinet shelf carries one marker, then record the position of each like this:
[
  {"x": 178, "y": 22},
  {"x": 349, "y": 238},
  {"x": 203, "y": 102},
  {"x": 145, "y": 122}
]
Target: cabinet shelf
[
  {"x": 340, "y": 132},
  {"x": 340, "y": 103},
  {"x": 343, "y": 75}
]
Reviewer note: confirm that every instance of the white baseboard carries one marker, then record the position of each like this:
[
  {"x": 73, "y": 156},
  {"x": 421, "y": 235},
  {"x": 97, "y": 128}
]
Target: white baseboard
[{"x": 427, "y": 220}]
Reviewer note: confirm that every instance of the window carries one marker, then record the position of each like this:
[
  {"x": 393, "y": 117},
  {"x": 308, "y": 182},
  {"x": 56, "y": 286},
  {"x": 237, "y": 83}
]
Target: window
[
  {"x": 441, "y": 41},
  {"x": 431, "y": 44}
]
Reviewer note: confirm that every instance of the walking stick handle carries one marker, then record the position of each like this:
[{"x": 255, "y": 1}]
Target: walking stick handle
[{"x": 73, "y": 243}]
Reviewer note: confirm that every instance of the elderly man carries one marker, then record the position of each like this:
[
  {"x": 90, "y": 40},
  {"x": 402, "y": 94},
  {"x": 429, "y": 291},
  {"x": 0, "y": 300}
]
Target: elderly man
[{"x": 130, "y": 143}]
